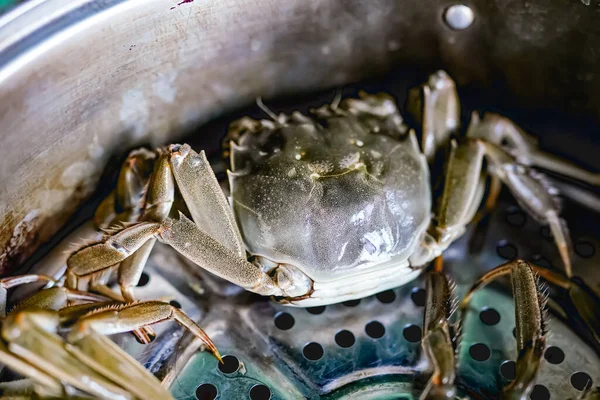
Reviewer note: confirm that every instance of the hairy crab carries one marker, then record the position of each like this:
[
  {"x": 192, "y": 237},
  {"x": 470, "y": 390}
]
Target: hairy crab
[{"x": 322, "y": 209}]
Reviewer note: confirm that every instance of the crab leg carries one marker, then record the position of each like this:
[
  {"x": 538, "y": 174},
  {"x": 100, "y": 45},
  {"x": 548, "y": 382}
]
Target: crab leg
[
  {"x": 583, "y": 298},
  {"x": 463, "y": 189},
  {"x": 463, "y": 192},
  {"x": 530, "y": 322},
  {"x": 92, "y": 362},
  {"x": 112, "y": 250},
  {"x": 185, "y": 237},
  {"x": 435, "y": 107},
  {"x": 437, "y": 336},
  {"x": 480, "y": 221},
  {"x": 159, "y": 201},
  {"x": 40, "y": 378},
  {"x": 535, "y": 195},
  {"x": 578, "y": 194},
  {"x": 31, "y": 336},
  {"x": 14, "y": 281},
  {"x": 98, "y": 352},
  {"x": 125, "y": 203},
  {"x": 58, "y": 297},
  {"x": 498, "y": 130}
]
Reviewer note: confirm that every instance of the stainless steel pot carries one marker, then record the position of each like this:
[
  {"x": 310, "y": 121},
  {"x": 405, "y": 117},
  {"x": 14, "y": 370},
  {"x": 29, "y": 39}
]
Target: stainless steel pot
[{"x": 83, "y": 81}]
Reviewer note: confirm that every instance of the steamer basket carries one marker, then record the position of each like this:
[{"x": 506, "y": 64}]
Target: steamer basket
[{"x": 82, "y": 82}]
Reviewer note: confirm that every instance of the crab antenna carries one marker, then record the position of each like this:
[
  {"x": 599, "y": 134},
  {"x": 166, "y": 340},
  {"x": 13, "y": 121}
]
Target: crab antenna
[
  {"x": 337, "y": 99},
  {"x": 266, "y": 109}
]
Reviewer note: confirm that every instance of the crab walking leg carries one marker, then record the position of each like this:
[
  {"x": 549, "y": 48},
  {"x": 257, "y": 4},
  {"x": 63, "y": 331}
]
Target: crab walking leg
[
  {"x": 498, "y": 130},
  {"x": 98, "y": 352},
  {"x": 97, "y": 258},
  {"x": 133, "y": 179},
  {"x": 112, "y": 250},
  {"x": 31, "y": 336},
  {"x": 530, "y": 322},
  {"x": 490, "y": 202},
  {"x": 143, "y": 335},
  {"x": 160, "y": 198},
  {"x": 463, "y": 189},
  {"x": 131, "y": 269},
  {"x": 437, "y": 340},
  {"x": 51, "y": 386},
  {"x": 535, "y": 194},
  {"x": 436, "y": 108},
  {"x": 14, "y": 281},
  {"x": 585, "y": 300},
  {"x": 56, "y": 298},
  {"x": 481, "y": 222},
  {"x": 204, "y": 198},
  {"x": 579, "y": 195},
  {"x": 125, "y": 317},
  {"x": 101, "y": 354},
  {"x": 125, "y": 203}
]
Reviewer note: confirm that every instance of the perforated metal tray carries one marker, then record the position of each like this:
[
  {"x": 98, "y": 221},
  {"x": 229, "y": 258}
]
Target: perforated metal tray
[{"x": 367, "y": 349}]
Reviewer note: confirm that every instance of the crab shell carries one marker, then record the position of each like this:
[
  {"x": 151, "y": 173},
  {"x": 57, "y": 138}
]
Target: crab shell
[{"x": 340, "y": 200}]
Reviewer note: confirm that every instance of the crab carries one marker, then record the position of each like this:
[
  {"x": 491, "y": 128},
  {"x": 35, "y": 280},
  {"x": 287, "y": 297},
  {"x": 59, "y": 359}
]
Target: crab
[{"x": 321, "y": 208}]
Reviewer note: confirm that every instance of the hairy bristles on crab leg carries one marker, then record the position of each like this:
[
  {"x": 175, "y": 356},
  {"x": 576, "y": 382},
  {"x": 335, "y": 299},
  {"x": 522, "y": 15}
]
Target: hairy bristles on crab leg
[
  {"x": 56, "y": 298},
  {"x": 585, "y": 300},
  {"x": 438, "y": 340},
  {"x": 530, "y": 322},
  {"x": 126, "y": 317}
]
